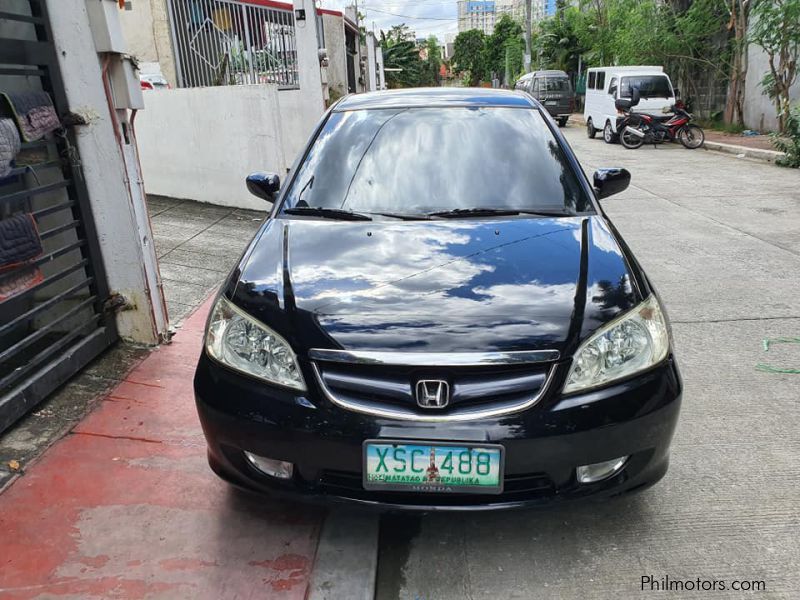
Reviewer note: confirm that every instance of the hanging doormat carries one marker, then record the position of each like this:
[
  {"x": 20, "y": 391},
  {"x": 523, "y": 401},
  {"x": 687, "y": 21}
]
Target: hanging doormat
[
  {"x": 34, "y": 113},
  {"x": 9, "y": 146},
  {"x": 19, "y": 241},
  {"x": 19, "y": 281}
]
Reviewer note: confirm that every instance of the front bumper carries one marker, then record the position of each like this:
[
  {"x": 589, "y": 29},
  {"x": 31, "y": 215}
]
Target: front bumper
[{"x": 543, "y": 445}]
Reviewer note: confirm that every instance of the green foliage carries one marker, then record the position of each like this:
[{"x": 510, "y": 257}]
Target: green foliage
[
  {"x": 507, "y": 34},
  {"x": 433, "y": 62},
  {"x": 789, "y": 141},
  {"x": 401, "y": 53},
  {"x": 468, "y": 54},
  {"x": 690, "y": 38},
  {"x": 557, "y": 44},
  {"x": 515, "y": 59},
  {"x": 776, "y": 28}
]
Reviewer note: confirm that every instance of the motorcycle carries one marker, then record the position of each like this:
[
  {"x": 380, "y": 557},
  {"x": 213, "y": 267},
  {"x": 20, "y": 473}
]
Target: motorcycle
[{"x": 636, "y": 129}]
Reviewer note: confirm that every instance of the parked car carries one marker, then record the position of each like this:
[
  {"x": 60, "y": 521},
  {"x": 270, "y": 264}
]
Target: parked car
[
  {"x": 469, "y": 332},
  {"x": 151, "y": 77},
  {"x": 553, "y": 89},
  {"x": 605, "y": 85}
]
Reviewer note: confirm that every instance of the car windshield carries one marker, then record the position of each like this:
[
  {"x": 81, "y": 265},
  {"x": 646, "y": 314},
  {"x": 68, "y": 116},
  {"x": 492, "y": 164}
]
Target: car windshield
[
  {"x": 424, "y": 160},
  {"x": 555, "y": 84},
  {"x": 650, "y": 86}
]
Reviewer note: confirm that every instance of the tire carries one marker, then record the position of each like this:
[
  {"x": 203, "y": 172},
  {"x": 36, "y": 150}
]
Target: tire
[
  {"x": 630, "y": 141},
  {"x": 609, "y": 135},
  {"x": 691, "y": 136},
  {"x": 590, "y": 130},
  {"x": 562, "y": 122}
]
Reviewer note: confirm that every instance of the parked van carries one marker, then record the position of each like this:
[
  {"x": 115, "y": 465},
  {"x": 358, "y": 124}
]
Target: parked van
[
  {"x": 553, "y": 90},
  {"x": 605, "y": 84}
]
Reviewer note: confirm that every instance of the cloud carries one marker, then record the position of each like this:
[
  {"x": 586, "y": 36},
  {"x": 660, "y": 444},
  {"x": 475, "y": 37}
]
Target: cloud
[{"x": 430, "y": 16}]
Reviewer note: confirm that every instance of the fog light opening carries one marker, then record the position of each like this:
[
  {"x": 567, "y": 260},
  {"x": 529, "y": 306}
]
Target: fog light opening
[
  {"x": 271, "y": 467},
  {"x": 599, "y": 471}
]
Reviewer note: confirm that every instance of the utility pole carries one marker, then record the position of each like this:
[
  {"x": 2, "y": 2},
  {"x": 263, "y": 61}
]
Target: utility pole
[{"x": 527, "y": 61}]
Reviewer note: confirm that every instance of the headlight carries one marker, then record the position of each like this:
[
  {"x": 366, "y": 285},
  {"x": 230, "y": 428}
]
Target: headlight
[
  {"x": 239, "y": 341},
  {"x": 631, "y": 343}
]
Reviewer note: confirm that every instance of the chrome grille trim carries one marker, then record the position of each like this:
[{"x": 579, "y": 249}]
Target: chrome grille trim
[
  {"x": 434, "y": 359},
  {"x": 467, "y": 413}
]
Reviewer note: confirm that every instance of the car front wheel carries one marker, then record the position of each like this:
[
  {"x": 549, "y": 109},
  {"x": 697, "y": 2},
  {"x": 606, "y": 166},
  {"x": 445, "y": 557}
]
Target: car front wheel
[
  {"x": 609, "y": 135},
  {"x": 590, "y": 130}
]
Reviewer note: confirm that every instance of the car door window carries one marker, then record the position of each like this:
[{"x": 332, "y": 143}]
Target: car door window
[
  {"x": 612, "y": 87},
  {"x": 592, "y": 80},
  {"x": 601, "y": 80}
]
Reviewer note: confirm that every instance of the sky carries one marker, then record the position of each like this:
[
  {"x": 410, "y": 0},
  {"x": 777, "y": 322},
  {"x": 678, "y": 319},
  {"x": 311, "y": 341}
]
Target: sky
[{"x": 426, "y": 17}]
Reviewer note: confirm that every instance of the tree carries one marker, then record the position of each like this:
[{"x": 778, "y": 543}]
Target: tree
[
  {"x": 433, "y": 62},
  {"x": 693, "y": 39},
  {"x": 403, "y": 67},
  {"x": 507, "y": 33},
  {"x": 776, "y": 29},
  {"x": 468, "y": 54},
  {"x": 557, "y": 44},
  {"x": 739, "y": 11}
]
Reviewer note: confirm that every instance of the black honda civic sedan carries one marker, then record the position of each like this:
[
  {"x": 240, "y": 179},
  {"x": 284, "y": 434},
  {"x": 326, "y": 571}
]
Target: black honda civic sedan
[{"x": 438, "y": 315}]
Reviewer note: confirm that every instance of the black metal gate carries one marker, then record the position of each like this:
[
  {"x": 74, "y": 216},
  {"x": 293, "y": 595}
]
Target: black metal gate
[{"x": 51, "y": 305}]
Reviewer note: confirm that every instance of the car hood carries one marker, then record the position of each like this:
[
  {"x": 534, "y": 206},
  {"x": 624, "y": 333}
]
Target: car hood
[{"x": 436, "y": 286}]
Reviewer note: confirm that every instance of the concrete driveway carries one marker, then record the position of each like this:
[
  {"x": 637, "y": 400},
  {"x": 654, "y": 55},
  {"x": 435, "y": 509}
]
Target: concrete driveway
[{"x": 720, "y": 239}]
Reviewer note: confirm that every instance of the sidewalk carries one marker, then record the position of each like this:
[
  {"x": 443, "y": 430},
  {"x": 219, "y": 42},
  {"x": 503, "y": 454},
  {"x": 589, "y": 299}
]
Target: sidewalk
[
  {"x": 758, "y": 147},
  {"x": 126, "y": 506},
  {"x": 197, "y": 245}
]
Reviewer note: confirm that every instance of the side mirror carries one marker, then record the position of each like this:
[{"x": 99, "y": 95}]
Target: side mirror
[
  {"x": 677, "y": 92},
  {"x": 622, "y": 104},
  {"x": 263, "y": 185},
  {"x": 636, "y": 95},
  {"x": 608, "y": 182}
]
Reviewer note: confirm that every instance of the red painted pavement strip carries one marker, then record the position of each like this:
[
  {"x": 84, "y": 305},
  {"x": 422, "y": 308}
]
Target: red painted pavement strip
[{"x": 126, "y": 506}]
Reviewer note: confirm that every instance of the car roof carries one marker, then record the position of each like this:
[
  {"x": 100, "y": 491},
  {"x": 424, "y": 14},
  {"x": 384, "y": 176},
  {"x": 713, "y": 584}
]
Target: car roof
[
  {"x": 440, "y": 97},
  {"x": 630, "y": 68},
  {"x": 550, "y": 72}
]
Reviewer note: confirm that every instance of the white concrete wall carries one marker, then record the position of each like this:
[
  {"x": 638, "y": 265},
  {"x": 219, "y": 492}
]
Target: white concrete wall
[
  {"x": 145, "y": 25},
  {"x": 201, "y": 143},
  {"x": 111, "y": 174},
  {"x": 759, "y": 110},
  {"x": 337, "y": 55},
  {"x": 372, "y": 70}
]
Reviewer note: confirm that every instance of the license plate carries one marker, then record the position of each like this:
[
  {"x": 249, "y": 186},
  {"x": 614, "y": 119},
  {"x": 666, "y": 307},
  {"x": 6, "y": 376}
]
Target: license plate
[
  {"x": 433, "y": 467},
  {"x": 551, "y": 102}
]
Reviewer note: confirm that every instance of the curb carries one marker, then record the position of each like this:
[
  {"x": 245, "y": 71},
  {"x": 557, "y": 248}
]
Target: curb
[
  {"x": 739, "y": 151},
  {"x": 346, "y": 562},
  {"x": 744, "y": 152}
]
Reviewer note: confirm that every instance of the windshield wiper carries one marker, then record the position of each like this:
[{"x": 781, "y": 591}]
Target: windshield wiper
[
  {"x": 457, "y": 213},
  {"x": 547, "y": 213},
  {"x": 327, "y": 213},
  {"x": 405, "y": 216}
]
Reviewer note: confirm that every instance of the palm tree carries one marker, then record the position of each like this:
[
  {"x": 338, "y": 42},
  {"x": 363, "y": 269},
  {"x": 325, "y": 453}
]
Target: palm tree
[{"x": 401, "y": 61}]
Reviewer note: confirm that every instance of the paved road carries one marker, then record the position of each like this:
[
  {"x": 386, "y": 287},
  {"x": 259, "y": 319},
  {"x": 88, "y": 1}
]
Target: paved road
[{"x": 720, "y": 238}]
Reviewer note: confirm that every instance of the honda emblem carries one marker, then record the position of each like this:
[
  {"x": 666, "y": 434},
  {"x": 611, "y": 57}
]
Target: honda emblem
[{"x": 433, "y": 393}]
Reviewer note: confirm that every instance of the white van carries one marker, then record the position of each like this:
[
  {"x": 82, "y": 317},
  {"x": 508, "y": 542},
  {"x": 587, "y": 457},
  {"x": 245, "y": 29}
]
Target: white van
[{"x": 605, "y": 84}]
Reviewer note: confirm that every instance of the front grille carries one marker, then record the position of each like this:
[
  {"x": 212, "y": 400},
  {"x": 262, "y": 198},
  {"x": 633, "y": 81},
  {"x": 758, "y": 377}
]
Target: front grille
[
  {"x": 515, "y": 488},
  {"x": 473, "y": 390}
]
